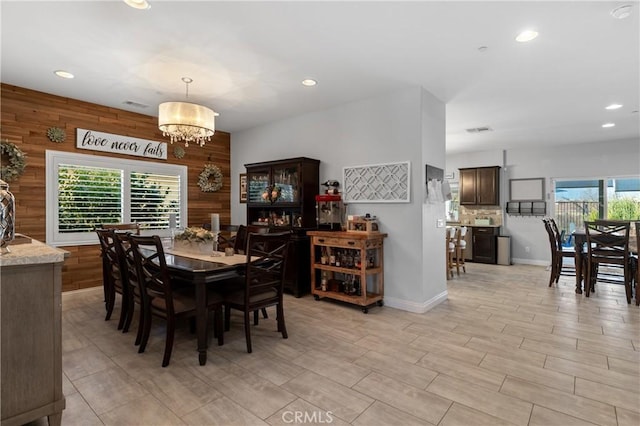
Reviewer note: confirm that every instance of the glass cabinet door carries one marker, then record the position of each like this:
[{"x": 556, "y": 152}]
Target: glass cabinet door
[
  {"x": 257, "y": 182},
  {"x": 286, "y": 178}
]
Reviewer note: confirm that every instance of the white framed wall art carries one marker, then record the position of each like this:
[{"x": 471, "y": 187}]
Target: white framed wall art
[{"x": 377, "y": 183}]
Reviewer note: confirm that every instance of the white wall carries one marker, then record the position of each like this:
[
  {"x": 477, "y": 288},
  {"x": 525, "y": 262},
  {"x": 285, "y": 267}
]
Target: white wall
[
  {"x": 433, "y": 153},
  {"x": 406, "y": 125},
  {"x": 602, "y": 159}
]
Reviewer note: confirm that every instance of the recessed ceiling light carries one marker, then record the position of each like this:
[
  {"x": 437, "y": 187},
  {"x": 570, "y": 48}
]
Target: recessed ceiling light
[
  {"x": 613, "y": 106},
  {"x": 63, "y": 74},
  {"x": 607, "y": 125},
  {"x": 482, "y": 49},
  {"x": 309, "y": 82},
  {"x": 621, "y": 12},
  {"x": 526, "y": 35},
  {"x": 138, "y": 4}
]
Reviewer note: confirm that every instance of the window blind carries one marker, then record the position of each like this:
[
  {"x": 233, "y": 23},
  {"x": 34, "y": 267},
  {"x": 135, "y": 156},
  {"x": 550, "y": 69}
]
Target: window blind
[
  {"x": 153, "y": 198},
  {"x": 87, "y": 197}
]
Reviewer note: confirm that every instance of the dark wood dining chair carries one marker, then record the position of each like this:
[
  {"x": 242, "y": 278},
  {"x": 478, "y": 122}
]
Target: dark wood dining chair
[
  {"x": 263, "y": 280},
  {"x": 240, "y": 243},
  {"x": 607, "y": 244},
  {"x": 240, "y": 247},
  {"x": 134, "y": 293},
  {"x": 160, "y": 298},
  {"x": 553, "y": 247},
  {"x": 558, "y": 251},
  {"x": 133, "y": 228},
  {"x": 564, "y": 252},
  {"x": 114, "y": 280},
  {"x": 226, "y": 236}
]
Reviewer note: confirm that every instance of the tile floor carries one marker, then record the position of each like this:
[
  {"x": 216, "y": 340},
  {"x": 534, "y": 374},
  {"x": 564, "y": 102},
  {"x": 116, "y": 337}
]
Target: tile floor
[{"x": 503, "y": 349}]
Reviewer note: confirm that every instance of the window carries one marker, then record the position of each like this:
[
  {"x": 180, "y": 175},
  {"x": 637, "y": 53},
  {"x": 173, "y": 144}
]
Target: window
[
  {"x": 84, "y": 191},
  {"x": 590, "y": 199},
  {"x": 453, "y": 206}
]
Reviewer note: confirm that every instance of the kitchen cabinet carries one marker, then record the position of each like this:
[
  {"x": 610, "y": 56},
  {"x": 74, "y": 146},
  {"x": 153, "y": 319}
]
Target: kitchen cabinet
[
  {"x": 348, "y": 266},
  {"x": 484, "y": 244},
  {"x": 480, "y": 186},
  {"x": 282, "y": 193},
  {"x": 31, "y": 379}
]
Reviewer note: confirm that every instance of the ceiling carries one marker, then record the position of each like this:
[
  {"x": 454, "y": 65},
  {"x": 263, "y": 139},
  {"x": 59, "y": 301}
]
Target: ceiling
[{"x": 247, "y": 60}]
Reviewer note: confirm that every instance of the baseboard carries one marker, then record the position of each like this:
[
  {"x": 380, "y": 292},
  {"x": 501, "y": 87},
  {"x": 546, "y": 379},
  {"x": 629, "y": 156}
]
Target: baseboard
[
  {"x": 418, "y": 308},
  {"x": 530, "y": 262}
]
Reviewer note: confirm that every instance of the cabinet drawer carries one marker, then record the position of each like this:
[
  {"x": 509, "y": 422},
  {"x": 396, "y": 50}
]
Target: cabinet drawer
[
  {"x": 337, "y": 242},
  {"x": 478, "y": 230}
]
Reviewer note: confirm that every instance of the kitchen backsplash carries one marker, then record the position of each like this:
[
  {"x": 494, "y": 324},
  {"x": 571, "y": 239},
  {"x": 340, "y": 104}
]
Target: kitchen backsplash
[{"x": 480, "y": 216}]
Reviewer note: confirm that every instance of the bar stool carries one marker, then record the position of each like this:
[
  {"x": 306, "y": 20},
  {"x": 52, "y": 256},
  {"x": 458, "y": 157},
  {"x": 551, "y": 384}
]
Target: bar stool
[
  {"x": 461, "y": 247},
  {"x": 451, "y": 251}
]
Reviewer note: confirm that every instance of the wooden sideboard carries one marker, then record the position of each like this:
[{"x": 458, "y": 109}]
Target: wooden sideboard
[{"x": 31, "y": 327}]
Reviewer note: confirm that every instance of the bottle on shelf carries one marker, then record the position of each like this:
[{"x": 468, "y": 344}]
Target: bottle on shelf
[
  {"x": 324, "y": 282},
  {"x": 332, "y": 257},
  {"x": 371, "y": 261},
  {"x": 324, "y": 257},
  {"x": 348, "y": 259},
  {"x": 343, "y": 258},
  {"x": 348, "y": 284},
  {"x": 339, "y": 258},
  {"x": 357, "y": 289},
  {"x": 356, "y": 260}
]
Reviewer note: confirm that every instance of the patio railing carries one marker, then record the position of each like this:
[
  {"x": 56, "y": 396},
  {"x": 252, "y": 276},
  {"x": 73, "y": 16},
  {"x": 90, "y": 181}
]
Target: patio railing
[{"x": 570, "y": 215}]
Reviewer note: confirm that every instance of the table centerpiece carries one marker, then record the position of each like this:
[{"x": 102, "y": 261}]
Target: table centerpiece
[{"x": 195, "y": 240}]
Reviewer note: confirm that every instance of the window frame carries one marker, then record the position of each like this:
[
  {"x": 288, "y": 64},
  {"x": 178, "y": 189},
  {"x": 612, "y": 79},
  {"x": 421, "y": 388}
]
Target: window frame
[{"x": 54, "y": 158}]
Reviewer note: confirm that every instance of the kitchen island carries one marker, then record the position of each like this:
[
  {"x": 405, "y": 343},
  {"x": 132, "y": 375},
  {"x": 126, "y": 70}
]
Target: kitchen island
[{"x": 31, "y": 355}]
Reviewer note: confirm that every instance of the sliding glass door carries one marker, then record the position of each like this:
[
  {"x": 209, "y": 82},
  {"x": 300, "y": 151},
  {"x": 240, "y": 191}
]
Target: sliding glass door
[{"x": 596, "y": 198}]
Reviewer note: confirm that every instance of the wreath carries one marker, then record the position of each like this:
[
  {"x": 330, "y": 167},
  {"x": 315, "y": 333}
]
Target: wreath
[
  {"x": 210, "y": 179},
  {"x": 13, "y": 161}
]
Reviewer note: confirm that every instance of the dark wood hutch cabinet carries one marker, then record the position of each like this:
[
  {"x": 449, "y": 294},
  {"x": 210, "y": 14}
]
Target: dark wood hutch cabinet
[
  {"x": 281, "y": 195},
  {"x": 480, "y": 186}
]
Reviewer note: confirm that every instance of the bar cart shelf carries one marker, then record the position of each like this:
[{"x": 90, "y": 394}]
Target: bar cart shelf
[{"x": 348, "y": 267}]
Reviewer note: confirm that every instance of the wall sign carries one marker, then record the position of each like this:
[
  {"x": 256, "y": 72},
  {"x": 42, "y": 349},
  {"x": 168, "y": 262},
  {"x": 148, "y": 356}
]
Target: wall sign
[
  {"x": 377, "y": 183},
  {"x": 117, "y": 144}
]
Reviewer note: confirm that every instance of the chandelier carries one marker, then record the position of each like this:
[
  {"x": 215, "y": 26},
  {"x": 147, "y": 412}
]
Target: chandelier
[{"x": 188, "y": 122}]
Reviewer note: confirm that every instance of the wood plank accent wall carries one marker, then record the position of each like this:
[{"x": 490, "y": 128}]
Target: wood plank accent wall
[{"x": 26, "y": 117}]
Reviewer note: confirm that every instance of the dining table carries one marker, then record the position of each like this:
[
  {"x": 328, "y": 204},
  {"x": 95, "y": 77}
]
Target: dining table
[
  {"x": 579, "y": 241},
  {"x": 203, "y": 270}
]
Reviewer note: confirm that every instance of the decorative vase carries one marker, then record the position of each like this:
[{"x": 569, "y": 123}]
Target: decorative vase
[{"x": 7, "y": 217}]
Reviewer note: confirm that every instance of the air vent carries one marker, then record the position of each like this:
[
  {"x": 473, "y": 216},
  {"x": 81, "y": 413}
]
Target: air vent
[
  {"x": 136, "y": 104},
  {"x": 479, "y": 129}
]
